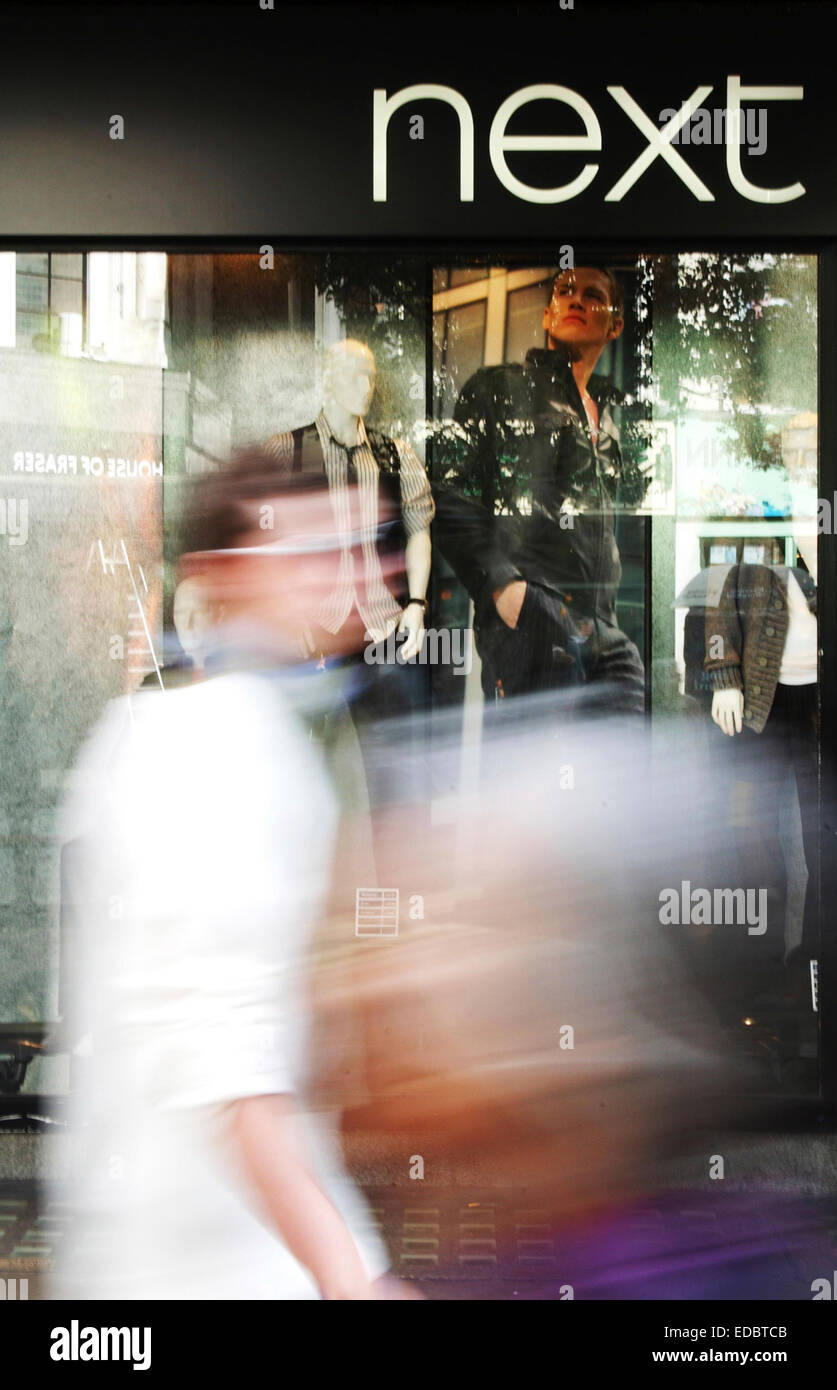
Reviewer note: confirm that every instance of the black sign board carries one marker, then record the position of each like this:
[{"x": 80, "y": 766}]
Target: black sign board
[{"x": 426, "y": 121}]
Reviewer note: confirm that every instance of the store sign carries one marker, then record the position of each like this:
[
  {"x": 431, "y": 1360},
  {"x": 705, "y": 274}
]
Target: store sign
[
  {"x": 659, "y": 140},
  {"x": 598, "y": 114}
]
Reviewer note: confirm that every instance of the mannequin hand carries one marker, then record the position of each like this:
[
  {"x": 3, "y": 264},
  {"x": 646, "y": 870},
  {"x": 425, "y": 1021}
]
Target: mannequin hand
[
  {"x": 509, "y": 600},
  {"x": 727, "y": 709},
  {"x": 412, "y": 622}
]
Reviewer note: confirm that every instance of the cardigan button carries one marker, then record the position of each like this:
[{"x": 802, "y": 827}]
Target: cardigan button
[
  {"x": 756, "y": 689},
  {"x": 748, "y": 713},
  {"x": 770, "y": 632},
  {"x": 777, "y": 603},
  {"x": 762, "y": 661}
]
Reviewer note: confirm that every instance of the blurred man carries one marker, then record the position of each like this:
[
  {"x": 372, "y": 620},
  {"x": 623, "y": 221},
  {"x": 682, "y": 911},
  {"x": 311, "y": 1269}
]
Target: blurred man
[
  {"x": 202, "y": 839},
  {"x": 530, "y": 477}
]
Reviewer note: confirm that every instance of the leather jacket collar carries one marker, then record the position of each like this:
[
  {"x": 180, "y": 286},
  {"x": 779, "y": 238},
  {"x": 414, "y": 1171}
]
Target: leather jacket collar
[{"x": 556, "y": 361}]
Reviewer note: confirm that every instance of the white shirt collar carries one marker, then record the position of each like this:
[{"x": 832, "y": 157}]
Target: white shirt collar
[{"x": 325, "y": 433}]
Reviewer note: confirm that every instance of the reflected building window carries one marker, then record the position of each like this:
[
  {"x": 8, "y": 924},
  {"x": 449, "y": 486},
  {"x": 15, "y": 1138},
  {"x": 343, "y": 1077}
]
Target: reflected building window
[
  {"x": 50, "y": 302},
  {"x": 459, "y": 336},
  {"x": 524, "y": 320},
  {"x": 481, "y": 317},
  {"x": 111, "y": 306},
  {"x": 127, "y": 307}
]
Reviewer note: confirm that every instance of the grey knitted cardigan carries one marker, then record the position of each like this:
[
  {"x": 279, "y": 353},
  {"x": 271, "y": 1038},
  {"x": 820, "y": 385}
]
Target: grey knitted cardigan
[{"x": 745, "y": 634}]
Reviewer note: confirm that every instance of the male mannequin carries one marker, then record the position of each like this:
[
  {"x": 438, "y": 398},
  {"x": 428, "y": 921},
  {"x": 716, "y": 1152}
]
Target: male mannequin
[
  {"x": 761, "y": 642},
  {"x": 361, "y": 468},
  {"x": 799, "y": 452},
  {"x": 382, "y": 508},
  {"x": 728, "y": 704},
  {"x": 529, "y": 478}
]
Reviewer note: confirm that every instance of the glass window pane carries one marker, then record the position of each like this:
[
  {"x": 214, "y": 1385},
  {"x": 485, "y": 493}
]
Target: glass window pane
[
  {"x": 463, "y": 349},
  {"x": 734, "y": 351},
  {"x": 734, "y": 357},
  {"x": 32, "y": 291},
  {"x": 65, "y": 296},
  {"x": 467, "y": 277},
  {"x": 524, "y": 320},
  {"x": 67, "y": 266},
  {"x": 29, "y": 326},
  {"x": 31, "y": 263}
]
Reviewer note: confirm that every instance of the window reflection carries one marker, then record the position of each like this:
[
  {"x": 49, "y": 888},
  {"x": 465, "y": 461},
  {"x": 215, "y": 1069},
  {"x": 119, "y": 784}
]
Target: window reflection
[{"x": 119, "y": 367}]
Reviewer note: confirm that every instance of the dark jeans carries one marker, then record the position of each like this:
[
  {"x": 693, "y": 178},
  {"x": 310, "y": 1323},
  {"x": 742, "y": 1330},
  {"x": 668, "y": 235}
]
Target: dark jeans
[
  {"x": 552, "y": 649},
  {"x": 788, "y": 744}
]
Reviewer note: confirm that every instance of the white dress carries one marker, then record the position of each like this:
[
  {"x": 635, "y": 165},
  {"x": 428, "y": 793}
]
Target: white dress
[{"x": 203, "y": 826}]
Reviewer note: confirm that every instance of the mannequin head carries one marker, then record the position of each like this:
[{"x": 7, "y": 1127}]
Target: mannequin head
[
  {"x": 349, "y": 380},
  {"x": 195, "y": 617},
  {"x": 585, "y": 310}
]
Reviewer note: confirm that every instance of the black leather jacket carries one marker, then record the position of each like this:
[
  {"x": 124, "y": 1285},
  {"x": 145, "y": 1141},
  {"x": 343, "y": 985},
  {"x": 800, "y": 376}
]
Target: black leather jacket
[{"x": 522, "y": 492}]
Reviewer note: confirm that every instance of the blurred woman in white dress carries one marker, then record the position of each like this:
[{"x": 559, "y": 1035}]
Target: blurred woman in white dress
[{"x": 198, "y": 848}]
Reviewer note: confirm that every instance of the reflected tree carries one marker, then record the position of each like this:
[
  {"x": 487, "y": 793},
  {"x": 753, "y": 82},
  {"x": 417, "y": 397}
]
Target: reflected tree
[{"x": 742, "y": 330}]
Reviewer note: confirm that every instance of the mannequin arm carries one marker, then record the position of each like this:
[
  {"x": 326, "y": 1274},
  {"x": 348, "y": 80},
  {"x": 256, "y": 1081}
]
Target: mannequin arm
[
  {"x": 724, "y": 637},
  {"x": 727, "y": 710},
  {"x": 418, "y": 555}
]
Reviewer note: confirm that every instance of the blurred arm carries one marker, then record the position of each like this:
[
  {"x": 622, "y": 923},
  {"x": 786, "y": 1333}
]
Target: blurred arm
[{"x": 265, "y": 1137}]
